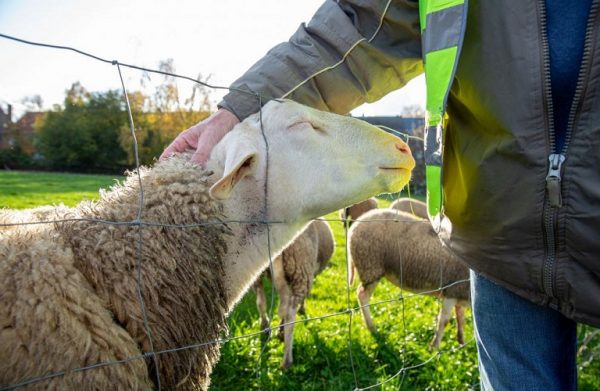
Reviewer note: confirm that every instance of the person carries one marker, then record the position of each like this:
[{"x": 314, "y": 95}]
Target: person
[{"x": 513, "y": 134}]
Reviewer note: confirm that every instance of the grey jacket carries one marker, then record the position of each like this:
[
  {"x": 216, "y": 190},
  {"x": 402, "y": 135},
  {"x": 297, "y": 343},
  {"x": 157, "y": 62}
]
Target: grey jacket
[{"x": 500, "y": 217}]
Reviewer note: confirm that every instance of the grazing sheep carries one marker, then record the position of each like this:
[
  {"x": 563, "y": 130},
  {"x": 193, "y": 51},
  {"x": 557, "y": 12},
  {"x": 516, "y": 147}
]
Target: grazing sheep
[
  {"x": 412, "y": 206},
  {"x": 294, "y": 271},
  {"x": 353, "y": 212},
  {"x": 405, "y": 249},
  {"x": 70, "y": 297}
]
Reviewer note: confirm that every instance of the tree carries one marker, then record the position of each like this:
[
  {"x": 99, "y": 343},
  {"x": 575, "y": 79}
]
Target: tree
[
  {"x": 91, "y": 131},
  {"x": 84, "y": 134},
  {"x": 159, "y": 117}
]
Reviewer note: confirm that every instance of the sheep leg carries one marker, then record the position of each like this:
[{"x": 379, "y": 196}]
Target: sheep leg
[
  {"x": 284, "y": 295},
  {"x": 460, "y": 323},
  {"x": 301, "y": 309},
  {"x": 289, "y": 332},
  {"x": 443, "y": 319},
  {"x": 364, "y": 296},
  {"x": 261, "y": 304},
  {"x": 284, "y": 303}
]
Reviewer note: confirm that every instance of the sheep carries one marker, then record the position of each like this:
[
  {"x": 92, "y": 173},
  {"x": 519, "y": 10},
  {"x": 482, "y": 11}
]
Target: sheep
[
  {"x": 350, "y": 213},
  {"x": 412, "y": 206},
  {"x": 406, "y": 250},
  {"x": 10, "y": 218},
  {"x": 294, "y": 271},
  {"x": 193, "y": 244}
]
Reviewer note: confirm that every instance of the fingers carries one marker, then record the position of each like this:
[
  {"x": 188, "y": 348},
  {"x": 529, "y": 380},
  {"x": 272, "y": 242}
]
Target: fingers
[
  {"x": 217, "y": 126},
  {"x": 207, "y": 142},
  {"x": 203, "y": 136},
  {"x": 186, "y": 140},
  {"x": 176, "y": 146}
]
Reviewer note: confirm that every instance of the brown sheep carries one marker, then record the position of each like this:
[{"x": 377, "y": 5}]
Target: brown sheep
[
  {"x": 294, "y": 271},
  {"x": 405, "y": 249},
  {"x": 412, "y": 206},
  {"x": 353, "y": 212}
]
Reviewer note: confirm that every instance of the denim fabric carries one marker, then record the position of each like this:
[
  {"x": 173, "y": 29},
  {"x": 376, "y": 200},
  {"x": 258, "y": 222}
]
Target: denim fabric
[
  {"x": 566, "y": 25},
  {"x": 521, "y": 346}
]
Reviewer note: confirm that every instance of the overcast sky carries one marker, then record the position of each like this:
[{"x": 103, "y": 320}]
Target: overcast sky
[{"x": 220, "y": 38}]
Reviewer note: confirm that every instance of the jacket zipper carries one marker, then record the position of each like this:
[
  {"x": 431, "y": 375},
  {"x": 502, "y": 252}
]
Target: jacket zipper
[{"x": 553, "y": 199}]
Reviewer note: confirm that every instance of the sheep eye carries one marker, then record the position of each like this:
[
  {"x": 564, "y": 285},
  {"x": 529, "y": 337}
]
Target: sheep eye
[
  {"x": 303, "y": 124},
  {"x": 318, "y": 129}
]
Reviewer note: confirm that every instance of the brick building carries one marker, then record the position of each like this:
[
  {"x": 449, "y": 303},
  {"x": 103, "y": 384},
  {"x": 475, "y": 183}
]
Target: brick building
[
  {"x": 18, "y": 133},
  {"x": 25, "y": 130}
]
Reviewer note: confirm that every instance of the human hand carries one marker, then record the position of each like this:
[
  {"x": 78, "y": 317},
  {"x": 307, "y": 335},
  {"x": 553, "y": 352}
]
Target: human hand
[{"x": 203, "y": 136}]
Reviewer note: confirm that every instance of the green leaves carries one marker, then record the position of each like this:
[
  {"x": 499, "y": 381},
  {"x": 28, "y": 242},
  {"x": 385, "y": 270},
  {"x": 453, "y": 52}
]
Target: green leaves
[{"x": 84, "y": 134}]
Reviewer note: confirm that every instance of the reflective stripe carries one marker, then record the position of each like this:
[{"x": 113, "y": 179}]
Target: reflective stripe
[
  {"x": 439, "y": 71},
  {"x": 427, "y": 7},
  {"x": 433, "y": 145},
  {"x": 433, "y": 177},
  {"x": 442, "y": 29}
]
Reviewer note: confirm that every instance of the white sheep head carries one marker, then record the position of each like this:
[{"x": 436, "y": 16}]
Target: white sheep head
[{"x": 317, "y": 162}]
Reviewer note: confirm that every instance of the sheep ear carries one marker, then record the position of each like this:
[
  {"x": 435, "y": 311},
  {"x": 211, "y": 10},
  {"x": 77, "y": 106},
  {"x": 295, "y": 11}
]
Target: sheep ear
[{"x": 235, "y": 170}]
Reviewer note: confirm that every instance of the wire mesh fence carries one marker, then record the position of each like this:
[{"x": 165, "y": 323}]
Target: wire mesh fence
[{"x": 350, "y": 311}]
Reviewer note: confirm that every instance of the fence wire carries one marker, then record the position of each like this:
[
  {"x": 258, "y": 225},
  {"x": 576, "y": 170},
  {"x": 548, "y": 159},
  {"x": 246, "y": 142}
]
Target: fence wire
[{"x": 139, "y": 224}]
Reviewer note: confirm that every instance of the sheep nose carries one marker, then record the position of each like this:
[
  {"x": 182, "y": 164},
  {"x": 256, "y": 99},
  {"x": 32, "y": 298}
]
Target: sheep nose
[{"x": 403, "y": 148}]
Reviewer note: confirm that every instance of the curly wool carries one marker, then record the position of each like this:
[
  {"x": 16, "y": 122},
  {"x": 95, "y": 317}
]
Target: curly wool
[
  {"x": 70, "y": 289},
  {"x": 306, "y": 256},
  {"x": 406, "y": 250}
]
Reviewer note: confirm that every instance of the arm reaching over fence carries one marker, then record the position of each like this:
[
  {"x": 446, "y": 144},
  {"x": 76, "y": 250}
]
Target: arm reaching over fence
[{"x": 203, "y": 136}]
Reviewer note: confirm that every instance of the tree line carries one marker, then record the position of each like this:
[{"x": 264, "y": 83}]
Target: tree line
[{"x": 90, "y": 131}]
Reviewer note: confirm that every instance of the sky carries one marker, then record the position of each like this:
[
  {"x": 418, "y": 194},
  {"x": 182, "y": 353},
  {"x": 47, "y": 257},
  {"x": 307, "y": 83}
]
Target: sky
[{"x": 218, "y": 38}]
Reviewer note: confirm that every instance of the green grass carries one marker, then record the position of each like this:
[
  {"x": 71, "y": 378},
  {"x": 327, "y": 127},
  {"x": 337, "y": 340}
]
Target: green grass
[
  {"x": 321, "y": 352},
  {"x": 321, "y": 347},
  {"x": 24, "y": 189}
]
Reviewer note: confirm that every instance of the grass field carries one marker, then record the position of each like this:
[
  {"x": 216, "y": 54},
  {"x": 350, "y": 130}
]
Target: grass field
[
  {"x": 20, "y": 189},
  {"x": 322, "y": 359}
]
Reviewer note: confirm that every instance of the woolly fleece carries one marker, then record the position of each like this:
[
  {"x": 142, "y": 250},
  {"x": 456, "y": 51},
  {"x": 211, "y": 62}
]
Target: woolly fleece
[{"x": 70, "y": 297}]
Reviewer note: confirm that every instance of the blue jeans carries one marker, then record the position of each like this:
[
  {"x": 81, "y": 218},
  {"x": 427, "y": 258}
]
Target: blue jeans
[{"x": 521, "y": 346}]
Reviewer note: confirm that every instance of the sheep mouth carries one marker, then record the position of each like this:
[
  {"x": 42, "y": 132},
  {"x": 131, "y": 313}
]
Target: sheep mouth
[{"x": 394, "y": 169}]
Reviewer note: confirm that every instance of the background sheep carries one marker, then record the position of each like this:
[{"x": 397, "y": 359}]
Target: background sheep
[
  {"x": 406, "y": 250},
  {"x": 294, "y": 271},
  {"x": 353, "y": 212},
  {"x": 412, "y": 206},
  {"x": 70, "y": 296}
]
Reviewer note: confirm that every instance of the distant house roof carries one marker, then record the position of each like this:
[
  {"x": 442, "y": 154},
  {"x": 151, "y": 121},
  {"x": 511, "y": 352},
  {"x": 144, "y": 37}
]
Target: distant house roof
[
  {"x": 27, "y": 121},
  {"x": 21, "y": 132}
]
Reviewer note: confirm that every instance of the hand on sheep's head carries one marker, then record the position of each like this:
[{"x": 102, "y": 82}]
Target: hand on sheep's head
[{"x": 203, "y": 136}]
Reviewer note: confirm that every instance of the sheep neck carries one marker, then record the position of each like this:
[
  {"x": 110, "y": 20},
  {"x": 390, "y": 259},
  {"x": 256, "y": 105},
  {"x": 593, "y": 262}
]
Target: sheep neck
[{"x": 251, "y": 248}]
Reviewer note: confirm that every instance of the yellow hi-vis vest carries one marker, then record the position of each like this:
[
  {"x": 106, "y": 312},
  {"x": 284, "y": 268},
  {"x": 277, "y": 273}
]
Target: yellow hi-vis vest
[{"x": 443, "y": 24}]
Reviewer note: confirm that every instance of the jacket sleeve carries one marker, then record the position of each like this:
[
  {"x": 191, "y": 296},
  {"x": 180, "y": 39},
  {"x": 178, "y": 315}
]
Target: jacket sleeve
[{"x": 351, "y": 52}]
